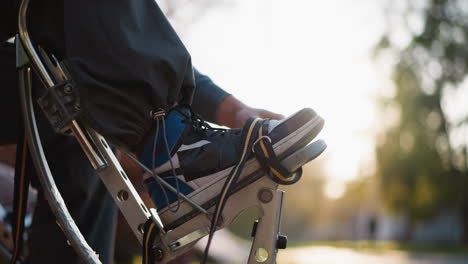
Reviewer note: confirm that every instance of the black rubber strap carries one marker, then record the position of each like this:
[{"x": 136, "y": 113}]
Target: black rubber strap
[
  {"x": 254, "y": 135},
  {"x": 267, "y": 158},
  {"x": 150, "y": 230},
  {"x": 249, "y": 135},
  {"x": 21, "y": 190}
]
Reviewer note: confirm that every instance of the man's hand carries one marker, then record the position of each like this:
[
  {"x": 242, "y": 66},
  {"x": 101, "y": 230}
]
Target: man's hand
[{"x": 233, "y": 113}]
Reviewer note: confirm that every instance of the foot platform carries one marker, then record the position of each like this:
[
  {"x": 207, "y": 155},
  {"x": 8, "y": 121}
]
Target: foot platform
[{"x": 188, "y": 226}]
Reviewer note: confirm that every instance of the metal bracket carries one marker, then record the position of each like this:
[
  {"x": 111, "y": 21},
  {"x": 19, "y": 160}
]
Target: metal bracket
[
  {"x": 259, "y": 192},
  {"x": 60, "y": 104},
  {"x": 190, "y": 238},
  {"x": 120, "y": 188},
  {"x": 22, "y": 58},
  {"x": 266, "y": 230}
]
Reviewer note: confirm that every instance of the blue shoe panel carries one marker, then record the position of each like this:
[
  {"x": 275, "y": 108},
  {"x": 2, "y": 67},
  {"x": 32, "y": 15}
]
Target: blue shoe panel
[{"x": 174, "y": 129}]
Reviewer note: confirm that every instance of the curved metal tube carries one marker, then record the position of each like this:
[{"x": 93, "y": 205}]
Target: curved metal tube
[
  {"x": 26, "y": 41},
  {"x": 50, "y": 190},
  {"x": 39, "y": 67}
]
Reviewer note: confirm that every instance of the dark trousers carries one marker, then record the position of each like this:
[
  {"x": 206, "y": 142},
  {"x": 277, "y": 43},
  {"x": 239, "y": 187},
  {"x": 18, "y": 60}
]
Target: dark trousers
[{"x": 87, "y": 199}]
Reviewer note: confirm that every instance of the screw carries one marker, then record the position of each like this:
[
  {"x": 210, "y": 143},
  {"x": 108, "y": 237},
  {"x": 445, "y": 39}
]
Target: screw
[
  {"x": 158, "y": 254},
  {"x": 68, "y": 89},
  {"x": 265, "y": 195}
]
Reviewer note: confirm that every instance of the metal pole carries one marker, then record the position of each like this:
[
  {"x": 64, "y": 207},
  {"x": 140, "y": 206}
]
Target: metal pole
[
  {"x": 37, "y": 64},
  {"x": 50, "y": 190},
  {"x": 166, "y": 184},
  {"x": 26, "y": 41}
]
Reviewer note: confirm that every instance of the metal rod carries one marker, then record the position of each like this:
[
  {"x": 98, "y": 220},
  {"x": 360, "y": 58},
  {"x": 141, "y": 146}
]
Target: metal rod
[
  {"x": 26, "y": 41},
  {"x": 80, "y": 136},
  {"x": 59, "y": 76},
  {"x": 166, "y": 184},
  {"x": 50, "y": 190},
  {"x": 120, "y": 187},
  {"x": 37, "y": 64}
]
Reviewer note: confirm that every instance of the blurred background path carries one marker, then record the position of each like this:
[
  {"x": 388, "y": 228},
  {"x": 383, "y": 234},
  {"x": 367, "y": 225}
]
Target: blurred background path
[{"x": 331, "y": 255}]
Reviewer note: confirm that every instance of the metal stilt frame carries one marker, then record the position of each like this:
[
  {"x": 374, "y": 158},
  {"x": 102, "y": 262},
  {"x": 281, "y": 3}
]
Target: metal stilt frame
[
  {"x": 263, "y": 193},
  {"x": 100, "y": 155},
  {"x": 51, "y": 193}
]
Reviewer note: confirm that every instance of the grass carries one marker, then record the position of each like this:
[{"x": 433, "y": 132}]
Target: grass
[{"x": 382, "y": 246}]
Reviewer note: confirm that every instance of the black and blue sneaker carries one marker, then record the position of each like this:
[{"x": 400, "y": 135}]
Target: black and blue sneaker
[{"x": 190, "y": 154}]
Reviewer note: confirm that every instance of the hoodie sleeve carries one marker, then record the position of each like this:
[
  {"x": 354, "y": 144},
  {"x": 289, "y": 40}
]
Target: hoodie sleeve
[{"x": 207, "y": 97}]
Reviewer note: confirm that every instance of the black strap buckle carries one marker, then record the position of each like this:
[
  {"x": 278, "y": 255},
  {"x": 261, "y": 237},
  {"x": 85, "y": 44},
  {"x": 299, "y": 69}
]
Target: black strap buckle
[{"x": 61, "y": 105}]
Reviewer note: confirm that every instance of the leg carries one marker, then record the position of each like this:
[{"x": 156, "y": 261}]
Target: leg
[
  {"x": 9, "y": 100},
  {"x": 85, "y": 196}
]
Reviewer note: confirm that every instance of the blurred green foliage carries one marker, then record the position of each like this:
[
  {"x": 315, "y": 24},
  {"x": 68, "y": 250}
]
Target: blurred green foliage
[
  {"x": 385, "y": 246},
  {"x": 421, "y": 168}
]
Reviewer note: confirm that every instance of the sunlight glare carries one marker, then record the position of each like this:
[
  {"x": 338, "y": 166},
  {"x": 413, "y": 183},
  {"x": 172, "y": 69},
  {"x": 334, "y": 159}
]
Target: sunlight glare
[
  {"x": 334, "y": 189},
  {"x": 284, "y": 56}
]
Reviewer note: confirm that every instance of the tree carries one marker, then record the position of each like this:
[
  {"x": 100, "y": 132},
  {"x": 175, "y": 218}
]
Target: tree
[{"x": 422, "y": 166}]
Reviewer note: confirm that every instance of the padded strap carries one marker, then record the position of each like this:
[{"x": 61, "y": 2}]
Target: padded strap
[
  {"x": 150, "y": 231},
  {"x": 266, "y": 156}
]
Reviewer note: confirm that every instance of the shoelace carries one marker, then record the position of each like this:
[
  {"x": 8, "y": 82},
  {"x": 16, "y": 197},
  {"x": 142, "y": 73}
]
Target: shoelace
[
  {"x": 199, "y": 124},
  {"x": 248, "y": 138},
  {"x": 159, "y": 116}
]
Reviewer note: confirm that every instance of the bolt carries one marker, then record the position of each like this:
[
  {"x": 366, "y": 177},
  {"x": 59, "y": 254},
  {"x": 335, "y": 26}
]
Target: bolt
[
  {"x": 265, "y": 195},
  {"x": 68, "y": 89},
  {"x": 158, "y": 254}
]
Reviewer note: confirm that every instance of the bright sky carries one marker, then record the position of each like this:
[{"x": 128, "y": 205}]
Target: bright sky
[{"x": 286, "y": 55}]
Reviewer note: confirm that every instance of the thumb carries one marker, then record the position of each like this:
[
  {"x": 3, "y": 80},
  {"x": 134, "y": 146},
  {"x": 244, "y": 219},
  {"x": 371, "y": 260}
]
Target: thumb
[{"x": 268, "y": 114}]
